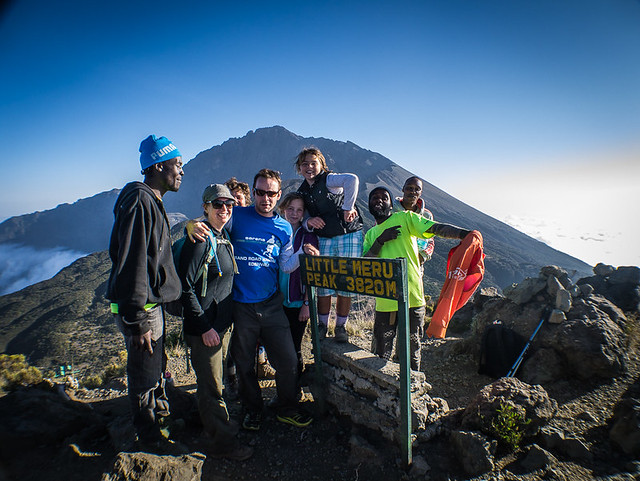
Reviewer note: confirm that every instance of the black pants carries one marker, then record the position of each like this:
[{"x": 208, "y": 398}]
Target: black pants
[
  {"x": 265, "y": 321},
  {"x": 297, "y": 333},
  {"x": 384, "y": 333}
]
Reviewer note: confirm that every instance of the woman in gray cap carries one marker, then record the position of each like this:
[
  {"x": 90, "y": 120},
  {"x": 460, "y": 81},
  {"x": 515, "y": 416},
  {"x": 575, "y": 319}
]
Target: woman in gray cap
[{"x": 206, "y": 270}]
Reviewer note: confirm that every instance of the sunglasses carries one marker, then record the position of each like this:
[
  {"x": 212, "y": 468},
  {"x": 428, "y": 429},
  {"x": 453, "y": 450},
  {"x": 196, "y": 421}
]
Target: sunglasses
[
  {"x": 262, "y": 193},
  {"x": 217, "y": 204}
]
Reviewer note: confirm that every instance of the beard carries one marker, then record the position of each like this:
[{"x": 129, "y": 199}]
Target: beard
[{"x": 380, "y": 212}]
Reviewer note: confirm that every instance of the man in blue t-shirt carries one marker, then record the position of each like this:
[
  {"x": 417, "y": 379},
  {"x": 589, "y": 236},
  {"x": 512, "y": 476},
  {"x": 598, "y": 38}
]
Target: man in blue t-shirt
[{"x": 262, "y": 245}]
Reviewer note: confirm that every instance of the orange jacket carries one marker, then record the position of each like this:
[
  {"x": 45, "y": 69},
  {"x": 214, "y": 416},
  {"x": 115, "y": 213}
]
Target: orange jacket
[{"x": 465, "y": 270}]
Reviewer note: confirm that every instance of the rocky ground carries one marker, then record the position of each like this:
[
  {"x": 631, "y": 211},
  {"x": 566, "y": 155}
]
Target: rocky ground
[{"x": 332, "y": 448}]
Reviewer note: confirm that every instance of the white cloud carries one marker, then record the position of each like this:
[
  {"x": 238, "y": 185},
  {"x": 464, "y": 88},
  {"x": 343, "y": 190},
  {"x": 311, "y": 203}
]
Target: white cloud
[
  {"x": 585, "y": 207},
  {"x": 22, "y": 266}
]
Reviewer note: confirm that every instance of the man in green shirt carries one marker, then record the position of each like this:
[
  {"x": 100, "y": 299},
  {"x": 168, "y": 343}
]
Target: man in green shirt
[{"x": 395, "y": 235}]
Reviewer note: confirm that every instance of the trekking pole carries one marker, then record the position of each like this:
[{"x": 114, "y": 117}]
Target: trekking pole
[{"x": 516, "y": 365}]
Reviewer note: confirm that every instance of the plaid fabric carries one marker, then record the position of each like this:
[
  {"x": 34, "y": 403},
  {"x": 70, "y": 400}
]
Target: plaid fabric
[{"x": 347, "y": 245}]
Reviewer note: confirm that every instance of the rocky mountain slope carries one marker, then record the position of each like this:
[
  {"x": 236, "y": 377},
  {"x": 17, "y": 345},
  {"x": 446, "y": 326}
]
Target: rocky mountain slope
[{"x": 583, "y": 424}]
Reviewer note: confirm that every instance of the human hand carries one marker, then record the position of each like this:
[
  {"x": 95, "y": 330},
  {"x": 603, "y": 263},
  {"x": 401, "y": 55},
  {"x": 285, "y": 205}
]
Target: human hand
[
  {"x": 143, "y": 342},
  {"x": 303, "y": 315},
  {"x": 311, "y": 250},
  {"x": 315, "y": 222},
  {"x": 389, "y": 234},
  {"x": 211, "y": 338},
  {"x": 349, "y": 215},
  {"x": 197, "y": 231}
]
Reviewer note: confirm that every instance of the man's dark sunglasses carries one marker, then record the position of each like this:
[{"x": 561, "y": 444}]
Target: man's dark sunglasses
[
  {"x": 217, "y": 204},
  {"x": 262, "y": 193}
]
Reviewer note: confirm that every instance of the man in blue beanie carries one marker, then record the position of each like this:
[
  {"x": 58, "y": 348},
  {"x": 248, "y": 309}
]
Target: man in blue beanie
[{"x": 143, "y": 278}]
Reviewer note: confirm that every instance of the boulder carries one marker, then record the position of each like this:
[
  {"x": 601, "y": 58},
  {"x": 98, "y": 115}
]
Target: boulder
[
  {"x": 44, "y": 414},
  {"x": 603, "y": 270},
  {"x": 149, "y": 467},
  {"x": 625, "y": 275},
  {"x": 474, "y": 451},
  {"x": 625, "y": 429},
  {"x": 531, "y": 401},
  {"x": 524, "y": 291}
]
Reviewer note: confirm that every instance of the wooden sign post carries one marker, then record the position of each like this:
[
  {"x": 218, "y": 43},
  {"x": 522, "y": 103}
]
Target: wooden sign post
[{"x": 369, "y": 276}]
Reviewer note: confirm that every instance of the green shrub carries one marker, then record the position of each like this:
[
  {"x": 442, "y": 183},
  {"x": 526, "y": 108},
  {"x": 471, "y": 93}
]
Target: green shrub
[
  {"x": 92, "y": 382},
  {"x": 114, "y": 369},
  {"x": 15, "y": 372},
  {"x": 508, "y": 426}
]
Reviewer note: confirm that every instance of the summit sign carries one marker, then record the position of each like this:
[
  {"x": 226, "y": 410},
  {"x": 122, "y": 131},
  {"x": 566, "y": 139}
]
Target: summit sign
[{"x": 361, "y": 275}]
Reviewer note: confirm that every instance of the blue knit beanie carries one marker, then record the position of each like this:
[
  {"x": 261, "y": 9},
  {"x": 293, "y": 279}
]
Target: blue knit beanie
[{"x": 154, "y": 150}]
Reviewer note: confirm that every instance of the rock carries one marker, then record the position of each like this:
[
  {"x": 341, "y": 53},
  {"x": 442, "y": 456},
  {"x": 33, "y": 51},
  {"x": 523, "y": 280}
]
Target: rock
[
  {"x": 590, "y": 342},
  {"x": 603, "y": 270},
  {"x": 537, "y": 458},
  {"x": 545, "y": 365},
  {"x": 419, "y": 467},
  {"x": 625, "y": 295},
  {"x": 585, "y": 289},
  {"x": 625, "y": 430},
  {"x": 557, "y": 317},
  {"x": 625, "y": 274},
  {"x": 362, "y": 452},
  {"x": 525, "y": 290},
  {"x": 575, "y": 448},
  {"x": 474, "y": 451},
  {"x": 149, "y": 467},
  {"x": 553, "y": 285},
  {"x": 532, "y": 402},
  {"x": 40, "y": 415},
  {"x": 551, "y": 438},
  {"x": 559, "y": 273},
  {"x": 563, "y": 300},
  {"x": 572, "y": 447}
]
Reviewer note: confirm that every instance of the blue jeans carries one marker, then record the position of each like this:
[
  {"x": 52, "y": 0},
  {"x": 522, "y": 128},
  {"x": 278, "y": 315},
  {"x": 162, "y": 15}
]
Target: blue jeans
[{"x": 145, "y": 377}]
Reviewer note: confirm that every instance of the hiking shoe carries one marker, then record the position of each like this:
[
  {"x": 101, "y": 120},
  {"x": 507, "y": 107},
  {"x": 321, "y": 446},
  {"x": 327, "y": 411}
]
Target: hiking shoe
[
  {"x": 341, "y": 334},
  {"x": 298, "y": 420},
  {"x": 252, "y": 421},
  {"x": 265, "y": 371},
  {"x": 322, "y": 331},
  {"x": 237, "y": 453}
]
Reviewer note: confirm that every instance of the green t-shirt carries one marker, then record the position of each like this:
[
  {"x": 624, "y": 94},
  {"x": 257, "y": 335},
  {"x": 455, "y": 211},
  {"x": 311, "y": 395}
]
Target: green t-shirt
[{"x": 412, "y": 226}]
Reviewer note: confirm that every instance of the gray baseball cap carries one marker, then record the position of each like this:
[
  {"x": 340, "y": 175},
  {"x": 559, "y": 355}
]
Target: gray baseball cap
[{"x": 216, "y": 191}]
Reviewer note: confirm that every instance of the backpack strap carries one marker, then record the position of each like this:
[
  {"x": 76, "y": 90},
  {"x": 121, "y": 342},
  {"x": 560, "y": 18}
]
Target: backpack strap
[{"x": 211, "y": 254}]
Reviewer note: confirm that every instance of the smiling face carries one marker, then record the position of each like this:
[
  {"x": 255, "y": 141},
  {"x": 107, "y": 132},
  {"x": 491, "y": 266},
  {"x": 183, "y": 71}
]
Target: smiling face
[
  {"x": 380, "y": 204},
  {"x": 310, "y": 168},
  {"x": 294, "y": 212},
  {"x": 412, "y": 190},
  {"x": 266, "y": 193},
  {"x": 218, "y": 212},
  {"x": 169, "y": 174}
]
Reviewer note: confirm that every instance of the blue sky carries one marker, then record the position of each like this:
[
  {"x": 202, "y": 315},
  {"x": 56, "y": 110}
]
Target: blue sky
[{"x": 524, "y": 109}]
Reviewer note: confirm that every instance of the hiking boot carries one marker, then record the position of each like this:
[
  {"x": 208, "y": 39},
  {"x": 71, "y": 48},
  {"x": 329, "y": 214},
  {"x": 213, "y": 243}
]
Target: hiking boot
[
  {"x": 237, "y": 453},
  {"x": 341, "y": 334},
  {"x": 322, "y": 331},
  {"x": 265, "y": 371},
  {"x": 252, "y": 421},
  {"x": 298, "y": 419}
]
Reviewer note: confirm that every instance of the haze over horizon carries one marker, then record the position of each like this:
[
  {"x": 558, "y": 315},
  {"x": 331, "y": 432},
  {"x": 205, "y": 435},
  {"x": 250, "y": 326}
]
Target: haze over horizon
[{"x": 527, "y": 111}]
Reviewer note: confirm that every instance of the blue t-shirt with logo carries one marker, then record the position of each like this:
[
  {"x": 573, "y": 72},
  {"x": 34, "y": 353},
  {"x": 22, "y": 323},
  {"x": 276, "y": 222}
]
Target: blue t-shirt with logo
[{"x": 257, "y": 242}]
